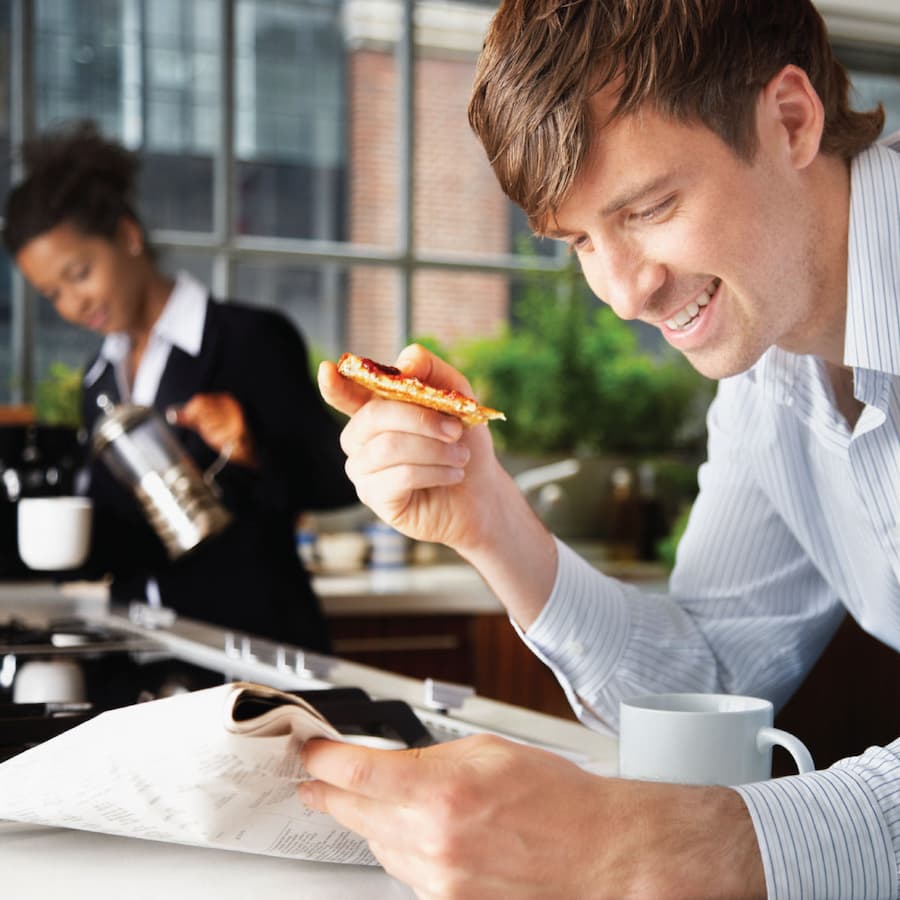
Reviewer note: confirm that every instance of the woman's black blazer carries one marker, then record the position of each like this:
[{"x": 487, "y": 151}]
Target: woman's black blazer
[{"x": 249, "y": 577}]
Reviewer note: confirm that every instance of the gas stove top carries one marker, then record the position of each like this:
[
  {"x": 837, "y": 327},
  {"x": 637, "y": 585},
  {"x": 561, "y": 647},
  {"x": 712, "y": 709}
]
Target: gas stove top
[
  {"x": 57, "y": 672},
  {"x": 100, "y": 666},
  {"x": 67, "y": 637},
  {"x": 129, "y": 655}
]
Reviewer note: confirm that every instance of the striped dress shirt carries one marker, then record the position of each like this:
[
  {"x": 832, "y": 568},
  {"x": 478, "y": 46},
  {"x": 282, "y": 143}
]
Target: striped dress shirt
[{"x": 797, "y": 522}]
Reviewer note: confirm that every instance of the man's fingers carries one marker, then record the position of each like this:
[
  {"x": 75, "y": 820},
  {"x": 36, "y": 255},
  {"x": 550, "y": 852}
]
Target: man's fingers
[
  {"x": 363, "y": 815},
  {"x": 431, "y": 369},
  {"x": 394, "y": 775},
  {"x": 396, "y": 448},
  {"x": 341, "y": 393},
  {"x": 380, "y": 416}
]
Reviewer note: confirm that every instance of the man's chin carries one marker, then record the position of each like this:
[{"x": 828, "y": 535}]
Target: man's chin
[{"x": 717, "y": 366}]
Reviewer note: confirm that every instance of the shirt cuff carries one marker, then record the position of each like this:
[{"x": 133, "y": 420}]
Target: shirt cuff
[
  {"x": 581, "y": 632},
  {"x": 825, "y": 835}
]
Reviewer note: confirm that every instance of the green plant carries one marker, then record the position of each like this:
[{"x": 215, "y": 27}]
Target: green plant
[
  {"x": 315, "y": 356},
  {"x": 668, "y": 546},
  {"x": 58, "y": 396},
  {"x": 572, "y": 377}
]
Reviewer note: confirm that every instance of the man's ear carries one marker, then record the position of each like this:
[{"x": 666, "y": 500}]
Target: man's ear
[{"x": 791, "y": 109}]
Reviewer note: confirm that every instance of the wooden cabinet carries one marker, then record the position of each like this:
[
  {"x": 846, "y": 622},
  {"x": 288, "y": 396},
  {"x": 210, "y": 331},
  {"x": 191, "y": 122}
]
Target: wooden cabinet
[
  {"x": 845, "y": 705},
  {"x": 847, "y": 702},
  {"x": 480, "y": 650}
]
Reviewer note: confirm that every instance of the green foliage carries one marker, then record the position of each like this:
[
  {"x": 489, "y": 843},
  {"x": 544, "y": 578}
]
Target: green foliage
[
  {"x": 668, "y": 546},
  {"x": 315, "y": 356},
  {"x": 58, "y": 396},
  {"x": 572, "y": 377},
  {"x": 433, "y": 344}
]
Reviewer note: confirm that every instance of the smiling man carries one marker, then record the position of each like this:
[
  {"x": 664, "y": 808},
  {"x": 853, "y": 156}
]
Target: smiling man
[{"x": 701, "y": 159}]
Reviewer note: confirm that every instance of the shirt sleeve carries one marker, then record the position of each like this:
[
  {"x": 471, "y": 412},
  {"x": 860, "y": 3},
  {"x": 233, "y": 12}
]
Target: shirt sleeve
[
  {"x": 834, "y": 833},
  {"x": 746, "y": 611}
]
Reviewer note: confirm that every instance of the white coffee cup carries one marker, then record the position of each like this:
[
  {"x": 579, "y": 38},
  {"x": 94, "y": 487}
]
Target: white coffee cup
[
  {"x": 49, "y": 681},
  {"x": 702, "y": 739},
  {"x": 54, "y": 532}
]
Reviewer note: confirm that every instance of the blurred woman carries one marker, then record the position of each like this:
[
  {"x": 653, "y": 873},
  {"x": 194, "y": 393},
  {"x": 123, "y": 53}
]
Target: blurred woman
[{"x": 235, "y": 376}]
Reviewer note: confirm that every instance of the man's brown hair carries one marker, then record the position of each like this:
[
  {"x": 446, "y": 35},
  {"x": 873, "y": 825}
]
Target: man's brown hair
[{"x": 699, "y": 61}]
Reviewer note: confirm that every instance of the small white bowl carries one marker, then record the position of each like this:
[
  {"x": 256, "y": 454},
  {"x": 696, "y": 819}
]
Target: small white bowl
[{"x": 343, "y": 551}]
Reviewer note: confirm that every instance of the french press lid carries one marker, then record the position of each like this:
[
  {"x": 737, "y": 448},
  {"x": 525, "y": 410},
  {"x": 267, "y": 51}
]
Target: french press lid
[{"x": 117, "y": 419}]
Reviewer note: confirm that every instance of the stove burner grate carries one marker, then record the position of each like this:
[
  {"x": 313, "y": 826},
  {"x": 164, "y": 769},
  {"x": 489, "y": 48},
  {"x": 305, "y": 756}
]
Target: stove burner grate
[{"x": 65, "y": 637}]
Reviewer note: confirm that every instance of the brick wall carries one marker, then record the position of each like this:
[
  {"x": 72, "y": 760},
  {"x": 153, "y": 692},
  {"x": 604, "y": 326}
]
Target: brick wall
[
  {"x": 458, "y": 205},
  {"x": 374, "y": 183}
]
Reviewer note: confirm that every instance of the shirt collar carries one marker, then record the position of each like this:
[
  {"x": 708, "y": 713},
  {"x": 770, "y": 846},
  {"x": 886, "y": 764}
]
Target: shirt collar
[
  {"x": 180, "y": 324},
  {"x": 183, "y": 317},
  {"x": 873, "y": 269}
]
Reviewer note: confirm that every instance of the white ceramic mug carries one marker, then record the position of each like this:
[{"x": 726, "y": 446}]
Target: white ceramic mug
[
  {"x": 54, "y": 532},
  {"x": 702, "y": 739},
  {"x": 49, "y": 681}
]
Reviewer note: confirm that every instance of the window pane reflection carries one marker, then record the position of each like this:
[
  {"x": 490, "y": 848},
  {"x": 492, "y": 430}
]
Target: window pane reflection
[
  {"x": 311, "y": 296},
  {"x": 875, "y": 75},
  {"x": 86, "y": 64},
  {"x": 182, "y": 109},
  {"x": 289, "y": 119},
  {"x": 7, "y": 373},
  {"x": 6, "y": 362},
  {"x": 873, "y": 88},
  {"x": 151, "y": 82},
  {"x": 173, "y": 260}
]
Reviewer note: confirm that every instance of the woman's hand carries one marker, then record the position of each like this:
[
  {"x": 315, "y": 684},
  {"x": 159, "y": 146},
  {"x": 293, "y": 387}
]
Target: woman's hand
[{"x": 220, "y": 421}]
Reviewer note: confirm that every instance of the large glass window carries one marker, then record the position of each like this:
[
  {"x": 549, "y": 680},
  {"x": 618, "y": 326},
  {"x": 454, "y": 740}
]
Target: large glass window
[
  {"x": 86, "y": 61},
  {"x": 179, "y": 126},
  {"x": 290, "y": 144},
  {"x": 6, "y": 342},
  {"x": 147, "y": 74},
  {"x": 875, "y": 74},
  {"x": 308, "y": 154},
  {"x": 312, "y": 296}
]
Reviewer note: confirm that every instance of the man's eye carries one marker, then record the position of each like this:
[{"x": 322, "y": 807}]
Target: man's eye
[
  {"x": 579, "y": 242},
  {"x": 654, "y": 212}
]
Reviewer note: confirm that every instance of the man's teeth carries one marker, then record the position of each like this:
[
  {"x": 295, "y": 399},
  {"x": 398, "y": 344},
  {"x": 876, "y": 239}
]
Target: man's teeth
[{"x": 689, "y": 313}]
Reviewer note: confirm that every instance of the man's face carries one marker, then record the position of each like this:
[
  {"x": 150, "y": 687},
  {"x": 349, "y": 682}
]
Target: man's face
[{"x": 671, "y": 227}]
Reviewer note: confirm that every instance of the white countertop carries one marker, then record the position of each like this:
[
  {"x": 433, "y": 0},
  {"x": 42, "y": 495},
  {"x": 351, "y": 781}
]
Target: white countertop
[
  {"x": 440, "y": 589},
  {"x": 39, "y": 863},
  {"x": 445, "y": 588}
]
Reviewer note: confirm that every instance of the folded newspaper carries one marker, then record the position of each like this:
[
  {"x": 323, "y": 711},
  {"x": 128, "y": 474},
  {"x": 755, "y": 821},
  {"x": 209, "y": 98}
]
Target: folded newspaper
[{"x": 212, "y": 768}]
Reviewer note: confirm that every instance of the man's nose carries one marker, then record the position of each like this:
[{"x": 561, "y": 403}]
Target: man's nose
[{"x": 622, "y": 277}]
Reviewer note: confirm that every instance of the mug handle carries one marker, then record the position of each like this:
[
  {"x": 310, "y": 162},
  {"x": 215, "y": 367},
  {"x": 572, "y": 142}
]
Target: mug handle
[{"x": 766, "y": 738}]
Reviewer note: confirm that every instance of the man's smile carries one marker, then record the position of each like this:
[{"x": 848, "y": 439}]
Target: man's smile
[{"x": 688, "y": 313}]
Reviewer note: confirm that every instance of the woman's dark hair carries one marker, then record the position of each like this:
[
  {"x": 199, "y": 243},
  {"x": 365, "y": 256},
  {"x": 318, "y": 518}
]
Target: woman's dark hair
[{"x": 72, "y": 175}]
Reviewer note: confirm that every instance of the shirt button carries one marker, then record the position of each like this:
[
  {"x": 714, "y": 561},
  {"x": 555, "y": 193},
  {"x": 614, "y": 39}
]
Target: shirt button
[{"x": 575, "y": 648}]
